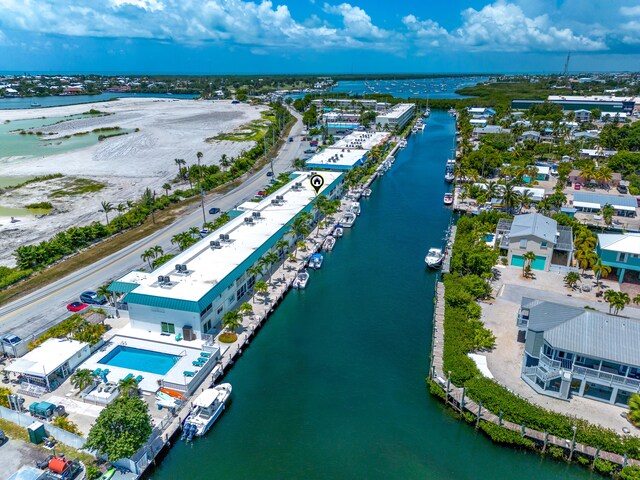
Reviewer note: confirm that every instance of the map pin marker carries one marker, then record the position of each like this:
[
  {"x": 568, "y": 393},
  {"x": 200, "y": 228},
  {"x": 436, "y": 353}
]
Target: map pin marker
[{"x": 317, "y": 181}]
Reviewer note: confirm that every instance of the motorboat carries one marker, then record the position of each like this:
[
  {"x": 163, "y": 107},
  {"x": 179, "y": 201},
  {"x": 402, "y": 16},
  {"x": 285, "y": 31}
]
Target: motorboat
[
  {"x": 355, "y": 208},
  {"x": 348, "y": 219},
  {"x": 165, "y": 400},
  {"x": 338, "y": 232},
  {"x": 329, "y": 243},
  {"x": 301, "y": 280},
  {"x": 402, "y": 143},
  {"x": 206, "y": 409},
  {"x": 316, "y": 261},
  {"x": 448, "y": 198},
  {"x": 366, "y": 192},
  {"x": 449, "y": 177},
  {"x": 35, "y": 105},
  {"x": 434, "y": 258}
]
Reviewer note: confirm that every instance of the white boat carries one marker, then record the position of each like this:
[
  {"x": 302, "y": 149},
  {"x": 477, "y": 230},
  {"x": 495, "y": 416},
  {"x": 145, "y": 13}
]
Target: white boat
[
  {"x": 348, "y": 219},
  {"x": 316, "y": 261},
  {"x": 449, "y": 177},
  {"x": 402, "y": 143},
  {"x": 434, "y": 258},
  {"x": 35, "y": 105},
  {"x": 206, "y": 409},
  {"x": 329, "y": 243},
  {"x": 301, "y": 280},
  {"x": 355, "y": 208},
  {"x": 338, "y": 232},
  {"x": 366, "y": 192},
  {"x": 166, "y": 401},
  {"x": 448, "y": 198}
]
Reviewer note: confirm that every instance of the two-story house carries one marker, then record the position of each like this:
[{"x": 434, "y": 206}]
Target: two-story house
[
  {"x": 621, "y": 252},
  {"x": 572, "y": 351},
  {"x": 533, "y": 232}
]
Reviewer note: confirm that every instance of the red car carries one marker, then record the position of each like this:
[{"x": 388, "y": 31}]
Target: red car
[
  {"x": 76, "y": 306},
  {"x": 577, "y": 186}
]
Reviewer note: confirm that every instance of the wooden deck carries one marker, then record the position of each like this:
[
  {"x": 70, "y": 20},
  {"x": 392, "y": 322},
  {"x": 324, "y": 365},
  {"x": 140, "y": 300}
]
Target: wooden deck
[{"x": 456, "y": 399}]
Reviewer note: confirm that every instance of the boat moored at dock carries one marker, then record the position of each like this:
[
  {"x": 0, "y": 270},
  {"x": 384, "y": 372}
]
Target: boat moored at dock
[
  {"x": 207, "y": 407},
  {"x": 355, "y": 208},
  {"x": 448, "y": 198},
  {"x": 301, "y": 280},
  {"x": 348, "y": 219},
  {"x": 434, "y": 258},
  {"x": 316, "y": 261},
  {"x": 329, "y": 243},
  {"x": 366, "y": 192},
  {"x": 338, "y": 232}
]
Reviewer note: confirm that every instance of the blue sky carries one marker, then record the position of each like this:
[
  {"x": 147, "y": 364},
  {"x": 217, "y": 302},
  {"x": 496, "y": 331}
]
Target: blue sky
[{"x": 316, "y": 36}]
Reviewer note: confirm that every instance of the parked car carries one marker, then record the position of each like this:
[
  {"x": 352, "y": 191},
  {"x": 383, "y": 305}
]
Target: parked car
[
  {"x": 11, "y": 340},
  {"x": 577, "y": 186},
  {"x": 3, "y": 437},
  {"x": 92, "y": 298},
  {"x": 262, "y": 193},
  {"x": 309, "y": 150},
  {"x": 623, "y": 189},
  {"x": 214, "y": 210},
  {"x": 76, "y": 306},
  {"x": 291, "y": 139},
  {"x": 269, "y": 173}
]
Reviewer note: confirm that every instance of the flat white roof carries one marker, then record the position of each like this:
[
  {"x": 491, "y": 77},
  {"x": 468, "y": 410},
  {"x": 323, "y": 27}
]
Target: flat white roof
[
  {"x": 207, "y": 266},
  {"x": 364, "y": 140},
  {"x": 591, "y": 98},
  {"x": 47, "y": 358},
  {"x": 346, "y": 157},
  {"x": 397, "y": 111},
  {"x": 542, "y": 170},
  {"x": 627, "y": 242}
]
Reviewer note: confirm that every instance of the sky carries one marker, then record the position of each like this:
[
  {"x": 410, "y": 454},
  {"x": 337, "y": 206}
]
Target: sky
[{"x": 317, "y": 36}]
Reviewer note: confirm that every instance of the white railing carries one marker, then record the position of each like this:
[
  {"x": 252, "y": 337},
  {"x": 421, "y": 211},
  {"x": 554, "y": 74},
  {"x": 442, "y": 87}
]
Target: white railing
[{"x": 607, "y": 377}]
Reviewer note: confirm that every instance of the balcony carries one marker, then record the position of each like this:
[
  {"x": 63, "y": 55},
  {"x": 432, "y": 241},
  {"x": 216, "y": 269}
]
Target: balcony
[
  {"x": 522, "y": 321},
  {"x": 607, "y": 378}
]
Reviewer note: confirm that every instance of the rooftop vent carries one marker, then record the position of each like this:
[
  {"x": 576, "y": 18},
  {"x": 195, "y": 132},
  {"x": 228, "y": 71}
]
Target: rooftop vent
[
  {"x": 255, "y": 214},
  {"x": 215, "y": 244},
  {"x": 248, "y": 220},
  {"x": 275, "y": 202}
]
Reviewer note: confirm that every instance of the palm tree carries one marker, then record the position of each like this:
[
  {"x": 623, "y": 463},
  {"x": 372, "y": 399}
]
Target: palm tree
[
  {"x": 121, "y": 208},
  {"x": 609, "y": 297},
  {"x": 620, "y": 301},
  {"x": 526, "y": 197},
  {"x": 103, "y": 291},
  {"x": 82, "y": 378},
  {"x": 510, "y": 197},
  {"x": 607, "y": 213},
  {"x": 106, "y": 208},
  {"x": 281, "y": 245},
  {"x": 585, "y": 240},
  {"x": 636, "y": 300},
  {"x": 586, "y": 259},
  {"x": 261, "y": 288},
  {"x": 493, "y": 190},
  {"x": 166, "y": 187},
  {"x": 571, "y": 279},
  {"x": 231, "y": 320},
  {"x": 179, "y": 162},
  {"x": 246, "y": 308},
  {"x": 529, "y": 258},
  {"x": 194, "y": 232},
  {"x": 634, "y": 409},
  {"x": 268, "y": 260},
  {"x": 128, "y": 387},
  {"x": 146, "y": 256},
  {"x": 157, "y": 251},
  {"x": 600, "y": 270},
  {"x": 224, "y": 162}
]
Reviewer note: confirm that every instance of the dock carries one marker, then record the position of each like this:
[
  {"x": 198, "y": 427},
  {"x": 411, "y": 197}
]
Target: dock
[
  {"x": 456, "y": 398},
  {"x": 446, "y": 264}
]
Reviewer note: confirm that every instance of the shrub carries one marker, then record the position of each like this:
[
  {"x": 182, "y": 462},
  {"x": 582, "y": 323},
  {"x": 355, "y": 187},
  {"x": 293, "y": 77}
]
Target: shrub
[
  {"x": 228, "y": 337},
  {"x": 65, "y": 424}
]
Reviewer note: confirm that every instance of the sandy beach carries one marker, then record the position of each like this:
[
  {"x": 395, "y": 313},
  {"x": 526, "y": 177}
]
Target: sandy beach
[{"x": 127, "y": 164}]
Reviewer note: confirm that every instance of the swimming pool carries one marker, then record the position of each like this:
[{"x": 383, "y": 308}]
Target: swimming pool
[{"x": 140, "y": 360}]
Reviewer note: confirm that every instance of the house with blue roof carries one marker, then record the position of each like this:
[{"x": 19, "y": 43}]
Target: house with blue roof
[
  {"x": 621, "y": 252},
  {"x": 571, "y": 351},
  {"x": 191, "y": 293},
  {"x": 624, "y": 206}
]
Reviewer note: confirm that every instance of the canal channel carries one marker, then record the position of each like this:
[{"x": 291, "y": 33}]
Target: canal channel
[{"x": 333, "y": 387}]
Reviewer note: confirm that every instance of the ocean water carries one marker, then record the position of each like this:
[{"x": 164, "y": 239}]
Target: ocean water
[
  {"x": 12, "y": 103},
  {"x": 333, "y": 386},
  {"x": 436, "y": 87}
]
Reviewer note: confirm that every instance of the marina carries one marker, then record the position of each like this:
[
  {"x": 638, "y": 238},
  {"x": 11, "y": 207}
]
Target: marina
[{"x": 331, "y": 353}]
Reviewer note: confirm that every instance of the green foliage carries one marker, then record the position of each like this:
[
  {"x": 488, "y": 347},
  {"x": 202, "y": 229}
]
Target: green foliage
[
  {"x": 505, "y": 437},
  {"x": 629, "y": 473},
  {"x": 40, "y": 205},
  {"x": 626, "y": 137},
  {"x": 74, "y": 327},
  {"x": 4, "y": 401},
  {"x": 227, "y": 337},
  {"x": 78, "y": 186},
  {"x": 604, "y": 466},
  {"x": 625, "y": 162},
  {"x": 42, "y": 178},
  {"x": 121, "y": 428},
  {"x": 82, "y": 378},
  {"x": 9, "y": 276},
  {"x": 93, "y": 472},
  {"x": 65, "y": 424}
]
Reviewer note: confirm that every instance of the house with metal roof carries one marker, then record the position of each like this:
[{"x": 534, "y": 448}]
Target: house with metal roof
[
  {"x": 621, "y": 252},
  {"x": 190, "y": 294},
  {"x": 574, "y": 351},
  {"x": 533, "y": 232},
  {"x": 624, "y": 206}
]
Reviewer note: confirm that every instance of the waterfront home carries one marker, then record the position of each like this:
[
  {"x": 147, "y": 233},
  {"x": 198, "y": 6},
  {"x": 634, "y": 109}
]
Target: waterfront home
[
  {"x": 575, "y": 176},
  {"x": 621, "y": 252},
  {"x": 478, "y": 132},
  {"x": 478, "y": 122},
  {"x": 530, "y": 135},
  {"x": 572, "y": 351},
  {"x": 596, "y": 153},
  {"x": 582, "y": 115},
  {"x": 533, "y": 232},
  {"x": 45, "y": 367},
  {"x": 347, "y": 152},
  {"x": 397, "y": 117},
  {"x": 624, "y": 206},
  {"x": 188, "y": 296}
]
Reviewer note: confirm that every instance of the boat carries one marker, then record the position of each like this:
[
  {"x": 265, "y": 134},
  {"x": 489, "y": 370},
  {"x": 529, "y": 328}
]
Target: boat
[
  {"x": 172, "y": 393},
  {"x": 301, "y": 279},
  {"x": 449, "y": 177},
  {"x": 355, "y": 208},
  {"x": 108, "y": 474},
  {"x": 448, "y": 198},
  {"x": 167, "y": 401},
  {"x": 434, "y": 258},
  {"x": 348, "y": 219},
  {"x": 35, "y": 105},
  {"x": 205, "y": 411},
  {"x": 316, "y": 261},
  {"x": 366, "y": 192},
  {"x": 402, "y": 143},
  {"x": 338, "y": 232},
  {"x": 329, "y": 243}
]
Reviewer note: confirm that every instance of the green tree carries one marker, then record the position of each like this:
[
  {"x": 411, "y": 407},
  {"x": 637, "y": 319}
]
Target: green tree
[
  {"x": 166, "y": 187},
  {"x": 232, "y": 320},
  {"x": 121, "y": 429},
  {"x": 106, "y": 208},
  {"x": 585, "y": 258},
  {"x": 103, "y": 291},
  {"x": 66, "y": 424},
  {"x": 607, "y": 213},
  {"x": 600, "y": 270},
  {"x": 82, "y": 378},
  {"x": 268, "y": 260},
  {"x": 609, "y": 297},
  {"x": 634, "y": 409},
  {"x": 529, "y": 258},
  {"x": 621, "y": 300},
  {"x": 180, "y": 162},
  {"x": 246, "y": 308},
  {"x": 4, "y": 399},
  {"x": 147, "y": 255},
  {"x": 261, "y": 288},
  {"x": 571, "y": 280},
  {"x": 129, "y": 387}
]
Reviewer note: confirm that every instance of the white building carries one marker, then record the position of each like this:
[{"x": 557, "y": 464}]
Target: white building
[
  {"x": 193, "y": 291},
  {"x": 398, "y": 116}
]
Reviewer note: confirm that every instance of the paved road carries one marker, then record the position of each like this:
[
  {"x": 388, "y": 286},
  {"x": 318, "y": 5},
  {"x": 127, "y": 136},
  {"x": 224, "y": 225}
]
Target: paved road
[{"x": 38, "y": 310}]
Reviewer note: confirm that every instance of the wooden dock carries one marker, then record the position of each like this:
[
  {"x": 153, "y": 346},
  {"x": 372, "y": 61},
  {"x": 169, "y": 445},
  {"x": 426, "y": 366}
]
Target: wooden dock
[
  {"x": 456, "y": 398},
  {"x": 446, "y": 264}
]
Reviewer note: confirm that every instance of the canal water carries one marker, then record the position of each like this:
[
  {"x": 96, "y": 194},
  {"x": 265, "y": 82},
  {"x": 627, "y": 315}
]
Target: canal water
[{"x": 333, "y": 386}]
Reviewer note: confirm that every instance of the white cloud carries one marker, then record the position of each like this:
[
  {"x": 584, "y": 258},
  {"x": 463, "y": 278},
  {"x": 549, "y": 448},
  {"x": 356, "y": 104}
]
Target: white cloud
[
  {"x": 148, "y": 5},
  {"x": 630, "y": 11},
  {"x": 425, "y": 31},
  {"x": 357, "y": 23}
]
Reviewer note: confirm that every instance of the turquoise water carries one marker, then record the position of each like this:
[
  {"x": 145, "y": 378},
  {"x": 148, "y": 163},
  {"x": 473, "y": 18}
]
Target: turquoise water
[
  {"x": 13, "y": 144},
  {"x": 333, "y": 386},
  {"x": 56, "y": 100},
  {"x": 437, "y": 87},
  {"x": 139, "y": 360}
]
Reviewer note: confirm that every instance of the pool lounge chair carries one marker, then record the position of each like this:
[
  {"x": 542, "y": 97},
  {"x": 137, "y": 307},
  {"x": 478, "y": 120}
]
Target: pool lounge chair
[
  {"x": 203, "y": 359},
  {"x": 205, "y": 354},
  {"x": 197, "y": 363},
  {"x": 178, "y": 337},
  {"x": 187, "y": 373},
  {"x": 139, "y": 378},
  {"x": 128, "y": 377},
  {"x": 104, "y": 374},
  {"x": 97, "y": 372}
]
